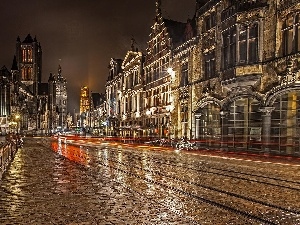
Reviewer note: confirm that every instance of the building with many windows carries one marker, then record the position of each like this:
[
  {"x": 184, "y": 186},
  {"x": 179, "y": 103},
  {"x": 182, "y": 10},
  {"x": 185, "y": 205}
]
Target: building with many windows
[
  {"x": 61, "y": 98},
  {"x": 165, "y": 36},
  {"x": 114, "y": 97},
  {"x": 27, "y": 70},
  {"x": 85, "y": 106},
  {"x": 29, "y": 62},
  {"x": 84, "y": 100},
  {"x": 130, "y": 95},
  {"x": 228, "y": 78},
  {"x": 28, "y": 105},
  {"x": 248, "y": 90},
  {"x": 5, "y": 105}
]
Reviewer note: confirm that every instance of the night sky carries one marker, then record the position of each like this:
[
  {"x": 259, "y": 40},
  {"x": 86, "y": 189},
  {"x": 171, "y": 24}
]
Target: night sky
[{"x": 82, "y": 35}]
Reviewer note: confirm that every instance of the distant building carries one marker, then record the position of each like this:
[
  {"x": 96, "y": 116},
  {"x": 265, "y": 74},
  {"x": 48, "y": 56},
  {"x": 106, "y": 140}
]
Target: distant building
[
  {"x": 5, "y": 92},
  {"x": 61, "y": 98},
  {"x": 113, "y": 102},
  {"x": 29, "y": 62},
  {"x": 85, "y": 106},
  {"x": 26, "y": 104},
  {"x": 26, "y": 72},
  {"x": 96, "y": 113},
  {"x": 85, "y": 103}
]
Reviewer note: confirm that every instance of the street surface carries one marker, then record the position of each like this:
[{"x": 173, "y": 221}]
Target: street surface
[{"x": 89, "y": 181}]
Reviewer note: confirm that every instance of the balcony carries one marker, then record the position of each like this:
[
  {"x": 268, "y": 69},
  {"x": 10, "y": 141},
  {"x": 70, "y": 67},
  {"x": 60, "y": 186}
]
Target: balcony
[{"x": 246, "y": 75}]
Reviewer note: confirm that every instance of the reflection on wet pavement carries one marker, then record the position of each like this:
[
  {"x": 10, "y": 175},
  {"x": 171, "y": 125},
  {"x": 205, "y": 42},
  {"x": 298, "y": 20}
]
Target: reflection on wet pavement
[{"x": 55, "y": 182}]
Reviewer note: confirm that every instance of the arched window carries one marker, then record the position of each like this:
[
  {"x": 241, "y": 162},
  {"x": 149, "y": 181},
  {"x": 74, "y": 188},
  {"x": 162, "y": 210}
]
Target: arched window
[
  {"x": 291, "y": 34},
  {"x": 184, "y": 75},
  {"x": 244, "y": 123},
  {"x": 285, "y": 124},
  {"x": 208, "y": 124}
]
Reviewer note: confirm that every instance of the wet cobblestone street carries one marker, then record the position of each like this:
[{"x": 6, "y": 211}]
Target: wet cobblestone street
[{"x": 91, "y": 182}]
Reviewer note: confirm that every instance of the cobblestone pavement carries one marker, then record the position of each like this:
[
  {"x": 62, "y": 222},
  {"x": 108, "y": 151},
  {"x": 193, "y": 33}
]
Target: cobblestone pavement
[{"x": 88, "y": 182}]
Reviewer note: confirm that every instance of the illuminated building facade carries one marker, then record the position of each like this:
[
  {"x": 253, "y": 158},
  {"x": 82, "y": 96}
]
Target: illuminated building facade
[
  {"x": 84, "y": 100},
  {"x": 28, "y": 105},
  {"x": 246, "y": 86},
  {"x": 29, "y": 62},
  {"x": 5, "y": 82},
  {"x": 61, "y": 98},
  {"x": 26, "y": 71},
  {"x": 130, "y": 95},
  {"x": 182, "y": 69},
  {"x": 97, "y": 112},
  {"x": 113, "y": 97},
  {"x": 228, "y": 78},
  {"x": 165, "y": 36}
]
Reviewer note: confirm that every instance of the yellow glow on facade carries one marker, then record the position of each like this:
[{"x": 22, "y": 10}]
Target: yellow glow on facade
[{"x": 84, "y": 99}]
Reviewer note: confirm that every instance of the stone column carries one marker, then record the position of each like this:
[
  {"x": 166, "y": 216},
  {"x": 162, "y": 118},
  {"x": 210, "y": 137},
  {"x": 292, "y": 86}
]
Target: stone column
[
  {"x": 224, "y": 129},
  {"x": 193, "y": 126},
  {"x": 197, "y": 117},
  {"x": 266, "y": 128}
]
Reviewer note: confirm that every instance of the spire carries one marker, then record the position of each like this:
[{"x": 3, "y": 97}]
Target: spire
[
  {"x": 28, "y": 39},
  {"x": 14, "y": 66},
  {"x": 158, "y": 8},
  {"x": 59, "y": 70},
  {"x": 51, "y": 78},
  {"x": 18, "y": 39}
]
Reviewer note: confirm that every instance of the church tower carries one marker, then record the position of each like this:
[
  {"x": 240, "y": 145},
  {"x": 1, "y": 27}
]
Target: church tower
[
  {"x": 29, "y": 62},
  {"x": 61, "y": 99}
]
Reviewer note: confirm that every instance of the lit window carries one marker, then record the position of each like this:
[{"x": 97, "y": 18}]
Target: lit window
[
  {"x": 209, "y": 65},
  {"x": 291, "y": 34}
]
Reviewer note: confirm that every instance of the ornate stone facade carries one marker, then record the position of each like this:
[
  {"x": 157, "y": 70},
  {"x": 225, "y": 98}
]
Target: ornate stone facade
[
  {"x": 254, "y": 93},
  {"x": 61, "y": 99},
  {"x": 113, "y": 97},
  {"x": 131, "y": 93},
  {"x": 228, "y": 78}
]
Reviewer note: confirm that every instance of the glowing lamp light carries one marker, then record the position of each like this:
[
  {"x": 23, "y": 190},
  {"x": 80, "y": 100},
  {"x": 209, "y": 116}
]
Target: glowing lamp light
[
  {"x": 171, "y": 72},
  {"x": 137, "y": 114},
  {"x": 170, "y": 108}
]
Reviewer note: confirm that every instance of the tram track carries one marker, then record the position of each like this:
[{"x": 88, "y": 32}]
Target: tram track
[
  {"x": 117, "y": 165},
  {"x": 222, "y": 171},
  {"x": 189, "y": 194},
  {"x": 212, "y": 188},
  {"x": 249, "y": 199},
  {"x": 237, "y": 174}
]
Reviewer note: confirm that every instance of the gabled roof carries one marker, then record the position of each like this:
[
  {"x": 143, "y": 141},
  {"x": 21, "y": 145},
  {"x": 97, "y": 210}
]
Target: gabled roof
[
  {"x": 29, "y": 39},
  {"x": 175, "y": 30},
  {"x": 131, "y": 55}
]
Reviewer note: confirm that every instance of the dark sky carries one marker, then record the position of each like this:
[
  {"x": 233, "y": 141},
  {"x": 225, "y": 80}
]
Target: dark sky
[{"x": 82, "y": 35}]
